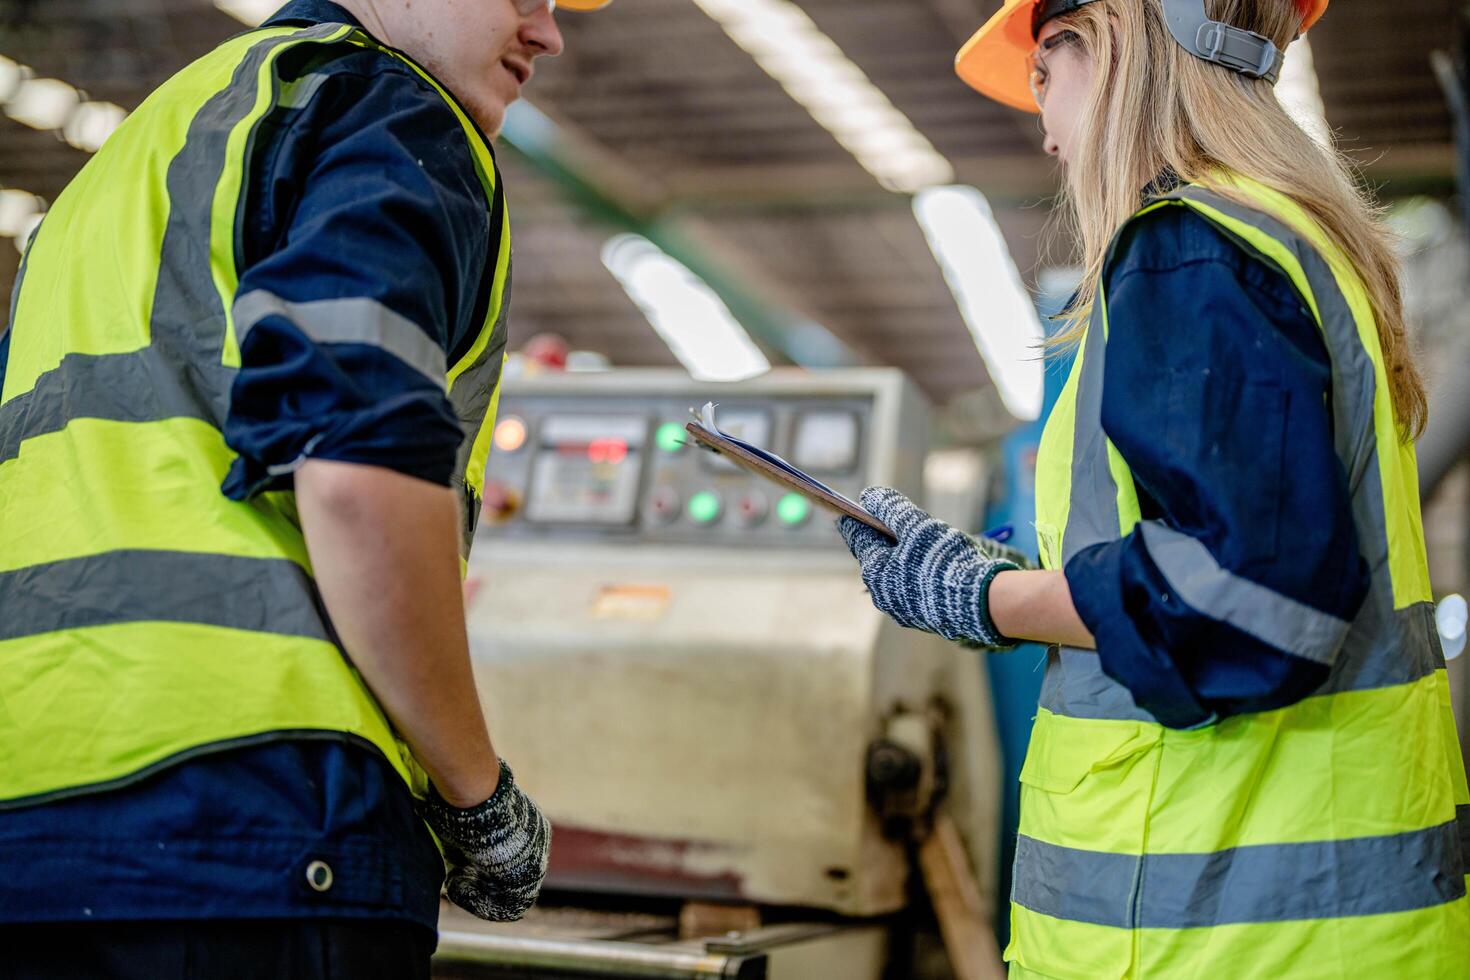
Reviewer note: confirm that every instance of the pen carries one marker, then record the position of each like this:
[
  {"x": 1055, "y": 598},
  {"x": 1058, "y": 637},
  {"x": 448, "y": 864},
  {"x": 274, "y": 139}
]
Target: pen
[{"x": 1001, "y": 534}]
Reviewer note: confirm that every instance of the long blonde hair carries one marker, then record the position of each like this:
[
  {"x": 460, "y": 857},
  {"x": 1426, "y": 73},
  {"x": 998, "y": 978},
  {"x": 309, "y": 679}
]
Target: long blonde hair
[{"x": 1154, "y": 107}]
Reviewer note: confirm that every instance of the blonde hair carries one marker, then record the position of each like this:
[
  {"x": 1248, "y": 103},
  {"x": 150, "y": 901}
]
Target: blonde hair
[{"x": 1153, "y": 107}]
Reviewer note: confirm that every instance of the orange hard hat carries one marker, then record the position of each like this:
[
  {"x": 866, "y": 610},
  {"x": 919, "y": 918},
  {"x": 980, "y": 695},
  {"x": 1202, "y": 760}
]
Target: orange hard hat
[
  {"x": 997, "y": 60},
  {"x": 581, "y": 4}
]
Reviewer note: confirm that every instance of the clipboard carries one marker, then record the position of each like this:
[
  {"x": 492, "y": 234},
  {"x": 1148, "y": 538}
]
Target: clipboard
[{"x": 775, "y": 469}]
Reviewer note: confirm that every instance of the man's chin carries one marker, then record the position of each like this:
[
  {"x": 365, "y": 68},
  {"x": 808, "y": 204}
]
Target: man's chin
[{"x": 492, "y": 123}]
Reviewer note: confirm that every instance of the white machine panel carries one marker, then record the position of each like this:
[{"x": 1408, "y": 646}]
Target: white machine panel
[{"x": 683, "y": 665}]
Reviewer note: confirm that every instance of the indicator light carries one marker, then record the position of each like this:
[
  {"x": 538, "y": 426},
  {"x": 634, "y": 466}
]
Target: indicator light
[
  {"x": 704, "y": 507},
  {"x": 670, "y": 437},
  {"x": 612, "y": 451},
  {"x": 510, "y": 434},
  {"x": 793, "y": 509}
]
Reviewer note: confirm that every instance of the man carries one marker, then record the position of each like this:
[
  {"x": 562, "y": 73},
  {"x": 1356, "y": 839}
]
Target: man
[{"x": 252, "y": 368}]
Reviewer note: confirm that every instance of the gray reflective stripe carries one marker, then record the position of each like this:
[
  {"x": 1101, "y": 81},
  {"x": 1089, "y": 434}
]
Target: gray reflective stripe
[
  {"x": 1353, "y": 379},
  {"x": 188, "y": 314},
  {"x": 181, "y": 374},
  {"x": 1263, "y": 883},
  {"x": 470, "y": 396},
  {"x": 1093, "y": 516},
  {"x": 134, "y": 387},
  {"x": 298, "y": 94},
  {"x": 353, "y": 320},
  {"x": 1462, "y": 817},
  {"x": 1283, "y": 622},
  {"x": 471, "y": 393},
  {"x": 1385, "y": 648},
  {"x": 1354, "y": 382},
  {"x": 264, "y": 595},
  {"x": 1074, "y": 686}
]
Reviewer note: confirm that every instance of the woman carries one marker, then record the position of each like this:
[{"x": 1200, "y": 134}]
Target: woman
[{"x": 1244, "y": 763}]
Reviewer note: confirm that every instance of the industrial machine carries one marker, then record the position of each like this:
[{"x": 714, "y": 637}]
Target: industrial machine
[{"x": 685, "y": 669}]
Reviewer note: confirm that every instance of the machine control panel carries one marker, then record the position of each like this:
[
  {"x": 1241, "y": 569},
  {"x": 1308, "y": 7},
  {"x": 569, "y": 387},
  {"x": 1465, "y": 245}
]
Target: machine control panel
[{"x": 616, "y": 464}]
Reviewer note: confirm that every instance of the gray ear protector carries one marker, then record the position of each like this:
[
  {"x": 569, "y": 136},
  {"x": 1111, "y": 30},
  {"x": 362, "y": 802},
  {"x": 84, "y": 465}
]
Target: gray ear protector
[{"x": 1235, "y": 48}]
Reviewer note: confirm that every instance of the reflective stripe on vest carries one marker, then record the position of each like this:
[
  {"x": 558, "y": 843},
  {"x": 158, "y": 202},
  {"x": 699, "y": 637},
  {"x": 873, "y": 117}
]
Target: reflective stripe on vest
[
  {"x": 1327, "y": 838},
  {"x": 144, "y": 617}
]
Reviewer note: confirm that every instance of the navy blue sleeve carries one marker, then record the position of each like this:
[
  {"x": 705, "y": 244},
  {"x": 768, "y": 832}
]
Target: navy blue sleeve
[
  {"x": 1216, "y": 393},
  {"x": 365, "y": 246}
]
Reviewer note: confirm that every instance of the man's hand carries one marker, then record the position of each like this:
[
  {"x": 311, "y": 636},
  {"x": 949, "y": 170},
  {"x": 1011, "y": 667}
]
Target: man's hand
[
  {"x": 935, "y": 578},
  {"x": 497, "y": 851}
]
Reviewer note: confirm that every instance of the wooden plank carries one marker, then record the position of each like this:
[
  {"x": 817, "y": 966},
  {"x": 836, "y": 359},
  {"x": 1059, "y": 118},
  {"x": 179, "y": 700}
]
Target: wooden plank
[{"x": 963, "y": 915}]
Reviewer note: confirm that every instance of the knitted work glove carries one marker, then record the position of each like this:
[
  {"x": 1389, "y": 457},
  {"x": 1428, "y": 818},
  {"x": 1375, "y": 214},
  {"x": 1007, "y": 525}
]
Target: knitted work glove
[
  {"x": 991, "y": 548},
  {"x": 496, "y": 852},
  {"x": 935, "y": 578}
]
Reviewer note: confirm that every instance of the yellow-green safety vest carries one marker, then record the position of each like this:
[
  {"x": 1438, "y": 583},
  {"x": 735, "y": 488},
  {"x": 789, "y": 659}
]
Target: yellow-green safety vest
[
  {"x": 145, "y": 618},
  {"x": 1327, "y": 839}
]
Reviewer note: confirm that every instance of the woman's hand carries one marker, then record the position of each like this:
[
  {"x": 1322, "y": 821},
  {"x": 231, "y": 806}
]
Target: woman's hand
[{"x": 934, "y": 578}]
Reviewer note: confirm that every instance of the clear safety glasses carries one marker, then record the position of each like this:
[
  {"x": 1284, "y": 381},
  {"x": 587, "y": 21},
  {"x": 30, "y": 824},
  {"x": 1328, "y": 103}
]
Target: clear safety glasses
[{"x": 1040, "y": 76}]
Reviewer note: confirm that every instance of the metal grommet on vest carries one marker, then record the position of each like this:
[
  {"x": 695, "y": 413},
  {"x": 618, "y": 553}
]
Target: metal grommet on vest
[{"x": 319, "y": 876}]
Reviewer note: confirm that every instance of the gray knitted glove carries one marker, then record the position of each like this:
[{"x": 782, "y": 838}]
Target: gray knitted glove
[
  {"x": 935, "y": 578},
  {"x": 497, "y": 851},
  {"x": 991, "y": 548}
]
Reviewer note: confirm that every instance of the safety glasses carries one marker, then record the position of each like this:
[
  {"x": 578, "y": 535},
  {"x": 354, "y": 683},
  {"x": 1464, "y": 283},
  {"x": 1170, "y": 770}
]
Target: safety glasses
[{"x": 1040, "y": 76}]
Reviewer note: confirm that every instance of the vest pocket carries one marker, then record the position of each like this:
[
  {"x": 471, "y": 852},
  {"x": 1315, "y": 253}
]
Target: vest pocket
[
  {"x": 1065, "y": 751},
  {"x": 1086, "y": 789}
]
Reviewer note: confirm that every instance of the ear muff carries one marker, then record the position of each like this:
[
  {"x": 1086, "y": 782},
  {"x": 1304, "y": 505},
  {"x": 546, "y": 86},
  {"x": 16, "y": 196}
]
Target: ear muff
[
  {"x": 1209, "y": 40},
  {"x": 996, "y": 61}
]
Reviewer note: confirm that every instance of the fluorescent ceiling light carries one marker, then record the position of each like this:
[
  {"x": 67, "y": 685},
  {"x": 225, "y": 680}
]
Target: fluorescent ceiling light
[
  {"x": 957, "y": 221},
  {"x": 43, "y": 103},
  {"x": 12, "y": 74},
  {"x": 16, "y": 209},
  {"x": 51, "y": 104},
  {"x": 20, "y": 214},
  {"x": 969, "y": 247},
  {"x": 28, "y": 229},
  {"x": 250, "y": 12},
  {"x": 686, "y": 313},
  {"x": 92, "y": 123},
  {"x": 813, "y": 70},
  {"x": 1300, "y": 95}
]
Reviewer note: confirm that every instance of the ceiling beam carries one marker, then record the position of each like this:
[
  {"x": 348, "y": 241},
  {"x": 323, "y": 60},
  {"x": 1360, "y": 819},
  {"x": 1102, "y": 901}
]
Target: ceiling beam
[{"x": 607, "y": 188}]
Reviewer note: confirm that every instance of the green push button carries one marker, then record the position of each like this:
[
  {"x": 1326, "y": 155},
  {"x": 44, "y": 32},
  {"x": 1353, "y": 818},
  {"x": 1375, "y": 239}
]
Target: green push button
[
  {"x": 670, "y": 437},
  {"x": 793, "y": 509},
  {"x": 704, "y": 507}
]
